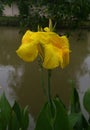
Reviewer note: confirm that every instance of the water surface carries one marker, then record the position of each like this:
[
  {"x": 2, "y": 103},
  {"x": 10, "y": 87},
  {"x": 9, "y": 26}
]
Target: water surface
[{"x": 22, "y": 81}]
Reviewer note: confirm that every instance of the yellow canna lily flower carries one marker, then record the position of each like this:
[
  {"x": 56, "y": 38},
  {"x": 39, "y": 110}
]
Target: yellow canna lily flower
[
  {"x": 56, "y": 52},
  {"x": 28, "y": 50},
  {"x": 53, "y": 49}
]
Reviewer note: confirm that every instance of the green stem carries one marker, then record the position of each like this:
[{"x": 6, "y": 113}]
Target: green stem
[
  {"x": 50, "y": 101},
  {"x": 49, "y": 87},
  {"x": 42, "y": 82},
  {"x": 42, "y": 77}
]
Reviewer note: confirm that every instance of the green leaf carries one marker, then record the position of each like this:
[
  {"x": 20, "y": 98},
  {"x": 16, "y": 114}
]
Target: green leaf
[
  {"x": 81, "y": 123},
  {"x": 25, "y": 118},
  {"x": 73, "y": 119},
  {"x": 16, "y": 108},
  {"x": 22, "y": 116},
  {"x": 86, "y": 100},
  {"x": 14, "y": 124},
  {"x": 77, "y": 121},
  {"x": 88, "y": 127},
  {"x": 5, "y": 112},
  {"x": 74, "y": 100},
  {"x": 44, "y": 121}
]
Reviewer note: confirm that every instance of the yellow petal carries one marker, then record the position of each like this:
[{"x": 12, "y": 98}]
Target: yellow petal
[
  {"x": 65, "y": 57},
  {"x": 51, "y": 59},
  {"x": 61, "y": 49},
  {"x": 28, "y": 52},
  {"x": 59, "y": 41},
  {"x": 30, "y": 36},
  {"x": 27, "y": 37},
  {"x": 64, "y": 41},
  {"x": 56, "y": 53}
]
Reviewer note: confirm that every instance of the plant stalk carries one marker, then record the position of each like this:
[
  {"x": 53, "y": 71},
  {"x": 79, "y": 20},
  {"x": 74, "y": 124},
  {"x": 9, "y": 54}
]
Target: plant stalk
[{"x": 50, "y": 101}]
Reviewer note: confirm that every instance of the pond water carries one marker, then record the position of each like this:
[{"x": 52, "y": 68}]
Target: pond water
[{"x": 22, "y": 81}]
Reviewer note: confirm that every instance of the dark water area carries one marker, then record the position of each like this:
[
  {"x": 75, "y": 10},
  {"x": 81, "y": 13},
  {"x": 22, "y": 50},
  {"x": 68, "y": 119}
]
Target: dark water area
[{"x": 22, "y": 81}]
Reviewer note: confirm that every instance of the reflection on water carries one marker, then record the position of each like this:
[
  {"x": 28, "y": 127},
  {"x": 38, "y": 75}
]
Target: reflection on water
[
  {"x": 10, "y": 76},
  {"x": 21, "y": 81},
  {"x": 83, "y": 78}
]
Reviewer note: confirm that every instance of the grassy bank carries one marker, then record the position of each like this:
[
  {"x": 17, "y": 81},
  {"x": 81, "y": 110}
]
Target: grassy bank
[
  {"x": 15, "y": 21},
  {"x": 9, "y": 21}
]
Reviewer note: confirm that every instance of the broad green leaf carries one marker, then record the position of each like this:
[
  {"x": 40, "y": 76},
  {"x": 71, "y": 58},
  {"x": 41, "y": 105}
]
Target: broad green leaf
[
  {"x": 77, "y": 121},
  {"x": 74, "y": 100},
  {"x": 1, "y": 127},
  {"x": 88, "y": 127},
  {"x": 22, "y": 116},
  {"x": 16, "y": 108},
  {"x": 73, "y": 119},
  {"x": 25, "y": 118},
  {"x": 81, "y": 123},
  {"x": 86, "y": 100},
  {"x": 14, "y": 124},
  {"x": 44, "y": 121},
  {"x": 5, "y": 112},
  {"x": 61, "y": 121}
]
